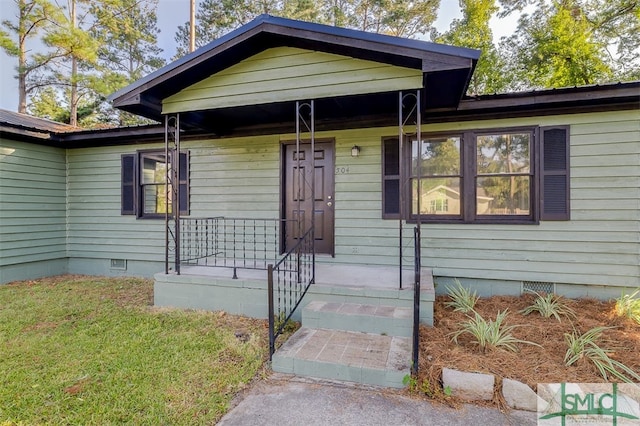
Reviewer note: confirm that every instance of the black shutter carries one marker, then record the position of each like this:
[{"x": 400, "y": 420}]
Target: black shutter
[
  {"x": 184, "y": 183},
  {"x": 129, "y": 183},
  {"x": 554, "y": 173},
  {"x": 390, "y": 178}
]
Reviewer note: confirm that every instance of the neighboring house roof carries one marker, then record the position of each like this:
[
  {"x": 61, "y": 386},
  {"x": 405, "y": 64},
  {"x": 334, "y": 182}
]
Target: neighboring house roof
[
  {"x": 480, "y": 192},
  {"x": 446, "y": 69}
]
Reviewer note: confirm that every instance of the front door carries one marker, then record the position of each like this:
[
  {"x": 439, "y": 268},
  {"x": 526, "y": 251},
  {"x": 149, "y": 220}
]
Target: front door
[{"x": 298, "y": 203}]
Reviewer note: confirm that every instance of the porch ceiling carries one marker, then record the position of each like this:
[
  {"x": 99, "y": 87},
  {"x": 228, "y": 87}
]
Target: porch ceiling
[{"x": 446, "y": 72}]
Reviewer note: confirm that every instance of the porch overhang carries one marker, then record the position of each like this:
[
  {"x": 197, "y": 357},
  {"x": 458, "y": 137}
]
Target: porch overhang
[{"x": 446, "y": 71}]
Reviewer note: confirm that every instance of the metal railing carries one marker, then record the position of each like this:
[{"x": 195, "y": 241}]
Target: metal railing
[
  {"x": 416, "y": 300},
  {"x": 288, "y": 282},
  {"x": 238, "y": 243}
]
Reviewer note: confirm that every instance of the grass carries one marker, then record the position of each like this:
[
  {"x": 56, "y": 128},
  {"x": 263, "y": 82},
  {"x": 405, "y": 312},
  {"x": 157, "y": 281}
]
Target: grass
[
  {"x": 628, "y": 305},
  {"x": 548, "y": 306},
  {"x": 585, "y": 347},
  {"x": 489, "y": 334},
  {"x": 80, "y": 350},
  {"x": 462, "y": 299}
]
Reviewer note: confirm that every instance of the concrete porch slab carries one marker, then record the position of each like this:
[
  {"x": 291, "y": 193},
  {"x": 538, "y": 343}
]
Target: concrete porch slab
[
  {"x": 339, "y": 275},
  {"x": 214, "y": 289}
]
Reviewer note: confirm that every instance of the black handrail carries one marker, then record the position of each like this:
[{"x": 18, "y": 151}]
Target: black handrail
[
  {"x": 416, "y": 301},
  {"x": 287, "y": 283}
]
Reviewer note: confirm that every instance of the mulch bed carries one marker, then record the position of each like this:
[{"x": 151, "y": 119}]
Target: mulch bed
[{"x": 531, "y": 364}]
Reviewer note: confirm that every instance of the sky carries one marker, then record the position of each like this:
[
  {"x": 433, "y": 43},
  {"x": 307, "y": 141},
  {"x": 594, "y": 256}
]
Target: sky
[{"x": 172, "y": 13}]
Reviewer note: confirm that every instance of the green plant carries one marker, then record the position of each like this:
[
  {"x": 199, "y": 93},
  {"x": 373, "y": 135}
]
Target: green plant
[
  {"x": 412, "y": 382},
  {"x": 90, "y": 350},
  {"x": 279, "y": 321},
  {"x": 490, "y": 334},
  {"x": 549, "y": 305},
  {"x": 462, "y": 299},
  {"x": 585, "y": 346},
  {"x": 628, "y": 305},
  {"x": 424, "y": 387}
]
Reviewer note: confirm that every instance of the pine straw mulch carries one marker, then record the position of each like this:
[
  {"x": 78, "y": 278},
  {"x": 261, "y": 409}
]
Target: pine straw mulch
[{"x": 532, "y": 364}]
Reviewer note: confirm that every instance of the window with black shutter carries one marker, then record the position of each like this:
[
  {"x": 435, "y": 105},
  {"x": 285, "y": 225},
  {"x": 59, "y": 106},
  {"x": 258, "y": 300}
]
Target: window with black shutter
[
  {"x": 390, "y": 178},
  {"x": 509, "y": 175},
  {"x": 128, "y": 176},
  {"x": 554, "y": 173},
  {"x": 144, "y": 191}
]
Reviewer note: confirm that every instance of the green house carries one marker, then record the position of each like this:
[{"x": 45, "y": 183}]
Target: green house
[{"x": 332, "y": 145}]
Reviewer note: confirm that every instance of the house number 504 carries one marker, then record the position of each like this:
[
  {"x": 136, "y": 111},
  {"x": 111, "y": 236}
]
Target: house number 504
[{"x": 342, "y": 170}]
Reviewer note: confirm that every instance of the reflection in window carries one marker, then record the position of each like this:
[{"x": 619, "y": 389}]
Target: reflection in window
[
  {"x": 503, "y": 183},
  {"x": 154, "y": 174},
  {"x": 439, "y": 175}
]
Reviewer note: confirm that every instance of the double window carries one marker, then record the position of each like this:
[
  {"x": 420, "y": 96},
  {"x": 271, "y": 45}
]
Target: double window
[
  {"x": 507, "y": 175},
  {"x": 144, "y": 188}
]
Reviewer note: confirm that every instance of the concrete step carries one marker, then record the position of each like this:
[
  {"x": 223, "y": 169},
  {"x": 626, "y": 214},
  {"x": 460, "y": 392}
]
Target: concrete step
[
  {"x": 365, "y": 358},
  {"x": 386, "y": 320}
]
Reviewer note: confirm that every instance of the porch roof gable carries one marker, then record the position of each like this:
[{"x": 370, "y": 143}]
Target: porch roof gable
[{"x": 443, "y": 67}]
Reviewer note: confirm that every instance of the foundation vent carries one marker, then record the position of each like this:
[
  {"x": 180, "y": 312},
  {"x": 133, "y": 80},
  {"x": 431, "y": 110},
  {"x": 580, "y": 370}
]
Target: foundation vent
[
  {"x": 538, "y": 287},
  {"x": 119, "y": 264}
]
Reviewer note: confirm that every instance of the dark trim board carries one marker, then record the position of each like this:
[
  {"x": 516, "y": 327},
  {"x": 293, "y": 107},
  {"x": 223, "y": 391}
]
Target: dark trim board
[{"x": 612, "y": 97}]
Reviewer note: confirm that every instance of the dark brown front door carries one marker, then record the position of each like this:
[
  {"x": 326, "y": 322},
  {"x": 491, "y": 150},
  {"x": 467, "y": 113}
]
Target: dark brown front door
[{"x": 297, "y": 188}]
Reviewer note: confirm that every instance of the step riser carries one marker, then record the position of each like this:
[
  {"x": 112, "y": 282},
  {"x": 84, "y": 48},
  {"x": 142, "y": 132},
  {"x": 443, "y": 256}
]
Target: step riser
[
  {"x": 359, "y": 323},
  {"x": 330, "y": 371},
  {"x": 384, "y": 320},
  {"x": 343, "y": 355}
]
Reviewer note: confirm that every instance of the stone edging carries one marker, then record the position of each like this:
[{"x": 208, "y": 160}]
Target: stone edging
[{"x": 479, "y": 386}]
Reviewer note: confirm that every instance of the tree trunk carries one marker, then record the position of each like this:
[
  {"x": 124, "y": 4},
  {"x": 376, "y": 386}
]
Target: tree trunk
[
  {"x": 73, "y": 102},
  {"x": 22, "y": 61}
]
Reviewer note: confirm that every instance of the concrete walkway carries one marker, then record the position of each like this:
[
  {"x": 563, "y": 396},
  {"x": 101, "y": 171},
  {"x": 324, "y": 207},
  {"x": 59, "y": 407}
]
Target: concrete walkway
[{"x": 284, "y": 400}]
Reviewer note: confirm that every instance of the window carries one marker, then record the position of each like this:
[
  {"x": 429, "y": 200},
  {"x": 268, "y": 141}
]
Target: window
[
  {"x": 436, "y": 180},
  {"x": 480, "y": 176},
  {"x": 144, "y": 187},
  {"x": 503, "y": 174}
]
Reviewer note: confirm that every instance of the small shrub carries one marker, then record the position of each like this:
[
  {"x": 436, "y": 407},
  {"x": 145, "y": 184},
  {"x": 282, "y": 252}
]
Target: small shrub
[
  {"x": 585, "y": 346},
  {"x": 424, "y": 387},
  {"x": 462, "y": 299},
  {"x": 628, "y": 305},
  {"x": 490, "y": 334},
  {"x": 549, "y": 305}
]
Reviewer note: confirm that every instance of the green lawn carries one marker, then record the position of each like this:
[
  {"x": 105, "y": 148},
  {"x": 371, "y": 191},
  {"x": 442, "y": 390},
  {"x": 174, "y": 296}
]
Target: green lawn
[{"x": 87, "y": 350}]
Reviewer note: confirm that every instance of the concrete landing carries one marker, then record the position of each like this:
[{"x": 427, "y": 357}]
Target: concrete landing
[{"x": 366, "y": 358}]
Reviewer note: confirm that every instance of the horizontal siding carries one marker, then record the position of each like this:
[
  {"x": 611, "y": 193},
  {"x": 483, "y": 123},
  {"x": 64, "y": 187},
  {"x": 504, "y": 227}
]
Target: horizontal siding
[
  {"x": 600, "y": 245},
  {"x": 229, "y": 177},
  {"x": 32, "y": 203},
  {"x": 286, "y": 74},
  {"x": 240, "y": 177},
  {"x": 96, "y": 229}
]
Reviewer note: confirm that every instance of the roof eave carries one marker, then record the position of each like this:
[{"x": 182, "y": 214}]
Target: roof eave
[{"x": 429, "y": 57}]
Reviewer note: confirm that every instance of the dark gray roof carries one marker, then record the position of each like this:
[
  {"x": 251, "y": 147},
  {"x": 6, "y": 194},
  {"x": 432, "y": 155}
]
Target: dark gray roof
[
  {"x": 448, "y": 68},
  {"x": 570, "y": 100},
  {"x": 346, "y": 33},
  {"x": 28, "y": 122}
]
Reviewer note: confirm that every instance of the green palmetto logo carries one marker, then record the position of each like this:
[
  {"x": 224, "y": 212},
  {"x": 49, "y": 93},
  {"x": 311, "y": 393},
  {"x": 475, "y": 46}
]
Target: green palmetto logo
[{"x": 584, "y": 405}]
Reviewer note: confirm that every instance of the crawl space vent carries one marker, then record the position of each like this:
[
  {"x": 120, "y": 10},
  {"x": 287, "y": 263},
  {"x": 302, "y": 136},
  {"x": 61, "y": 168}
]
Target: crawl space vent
[
  {"x": 538, "y": 287},
  {"x": 118, "y": 264}
]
